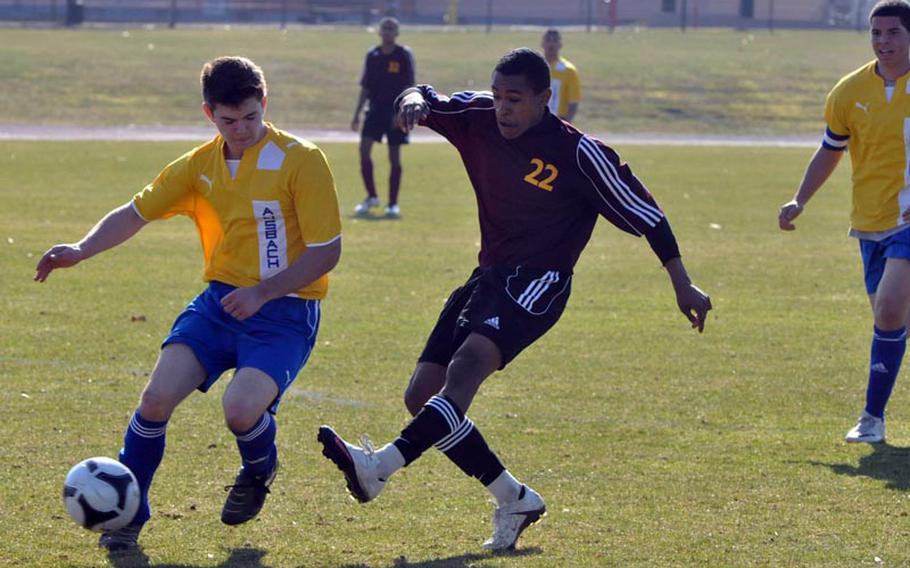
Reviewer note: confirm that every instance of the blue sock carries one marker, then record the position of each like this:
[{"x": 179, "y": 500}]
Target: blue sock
[
  {"x": 143, "y": 448},
  {"x": 257, "y": 446},
  {"x": 885, "y": 363}
]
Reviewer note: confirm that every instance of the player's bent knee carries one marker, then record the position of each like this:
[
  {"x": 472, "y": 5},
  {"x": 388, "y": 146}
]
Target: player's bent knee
[
  {"x": 427, "y": 380},
  {"x": 890, "y": 315},
  {"x": 240, "y": 416},
  {"x": 890, "y": 321},
  {"x": 155, "y": 405},
  {"x": 240, "y": 420},
  {"x": 415, "y": 396}
]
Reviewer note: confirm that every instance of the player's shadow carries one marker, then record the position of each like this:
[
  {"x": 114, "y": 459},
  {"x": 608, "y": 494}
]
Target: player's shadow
[
  {"x": 887, "y": 463},
  {"x": 239, "y": 558},
  {"x": 372, "y": 217},
  {"x": 459, "y": 561}
]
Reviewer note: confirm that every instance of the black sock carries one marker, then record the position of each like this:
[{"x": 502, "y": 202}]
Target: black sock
[
  {"x": 470, "y": 452},
  {"x": 438, "y": 418}
]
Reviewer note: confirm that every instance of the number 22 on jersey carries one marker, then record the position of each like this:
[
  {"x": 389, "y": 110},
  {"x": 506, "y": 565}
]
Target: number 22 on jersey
[{"x": 542, "y": 175}]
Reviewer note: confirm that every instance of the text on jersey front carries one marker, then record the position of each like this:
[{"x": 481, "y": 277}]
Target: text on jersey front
[
  {"x": 273, "y": 248},
  {"x": 539, "y": 167}
]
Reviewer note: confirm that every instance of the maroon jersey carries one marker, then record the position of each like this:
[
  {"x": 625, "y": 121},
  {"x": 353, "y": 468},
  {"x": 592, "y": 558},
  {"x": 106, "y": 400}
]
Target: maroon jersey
[
  {"x": 385, "y": 76},
  {"x": 539, "y": 195}
]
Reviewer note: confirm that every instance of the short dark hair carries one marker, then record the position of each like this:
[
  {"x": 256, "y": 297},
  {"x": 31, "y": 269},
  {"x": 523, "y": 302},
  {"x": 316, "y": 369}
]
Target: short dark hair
[
  {"x": 552, "y": 32},
  {"x": 895, "y": 8},
  {"x": 528, "y": 63},
  {"x": 231, "y": 80}
]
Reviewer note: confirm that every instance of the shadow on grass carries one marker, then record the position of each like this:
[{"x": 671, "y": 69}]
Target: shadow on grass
[
  {"x": 239, "y": 558},
  {"x": 372, "y": 217},
  {"x": 460, "y": 561},
  {"x": 887, "y": 463},
  {"x": 252, "y": 558}
]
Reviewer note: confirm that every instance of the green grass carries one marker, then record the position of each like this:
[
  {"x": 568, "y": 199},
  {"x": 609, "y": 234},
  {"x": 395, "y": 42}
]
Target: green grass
[
  {"x": 635, "y": 80},
  {"x": 653, "y": 445}
]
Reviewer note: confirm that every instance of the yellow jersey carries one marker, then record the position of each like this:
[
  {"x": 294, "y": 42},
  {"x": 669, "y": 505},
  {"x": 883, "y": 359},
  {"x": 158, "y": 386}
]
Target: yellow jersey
[
  {"x": 873, "y": 120},
  {"x": 254, "y": 225},
  {"x": 565, "y": 85}
]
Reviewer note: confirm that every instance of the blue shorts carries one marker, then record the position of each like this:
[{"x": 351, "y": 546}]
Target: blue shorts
[
  {"x": 876, "y": 252},
  {"x": 277, "y": 340}
]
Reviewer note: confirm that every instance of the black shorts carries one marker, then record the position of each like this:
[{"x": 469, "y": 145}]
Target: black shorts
[
  {"x": 381, "y": 122},
  {"x": 513, "y": 307}
]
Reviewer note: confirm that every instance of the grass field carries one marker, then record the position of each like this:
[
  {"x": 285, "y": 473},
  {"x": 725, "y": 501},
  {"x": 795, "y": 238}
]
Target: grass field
[
  {"x": 653, "y": 446},
  {"x": 635, "y": 80}
]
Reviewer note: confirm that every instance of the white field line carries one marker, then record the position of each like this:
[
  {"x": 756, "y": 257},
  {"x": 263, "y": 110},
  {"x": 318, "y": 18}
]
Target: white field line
[
  {"x": 315, "y": 397},
  {"x": 422, "y": 135}
]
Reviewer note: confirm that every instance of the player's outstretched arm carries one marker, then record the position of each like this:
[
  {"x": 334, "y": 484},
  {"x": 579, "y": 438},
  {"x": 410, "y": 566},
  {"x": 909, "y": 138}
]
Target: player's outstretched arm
[
  {"x": 113, "y": 229},
  {"x": 412, "y": 108},
  {"x": 817, "y": 173},
  {"x": 312, "y": 264},
  {"x": 692, "y": 302}
]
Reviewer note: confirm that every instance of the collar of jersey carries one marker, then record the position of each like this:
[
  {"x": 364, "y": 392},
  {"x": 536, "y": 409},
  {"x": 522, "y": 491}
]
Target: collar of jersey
[
  {"x": 546, "y": 124},
  {"x": 269, "y": 132},
  {"x": 873, "y": 71}
]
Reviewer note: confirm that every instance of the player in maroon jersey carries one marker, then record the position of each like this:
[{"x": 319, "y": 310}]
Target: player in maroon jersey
[
  {"x": 387, "y": 71},
  {"x": 540, "y": 186}
]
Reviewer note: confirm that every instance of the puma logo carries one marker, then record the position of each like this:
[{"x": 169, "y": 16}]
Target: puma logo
[{"x": 862, "y": 107}]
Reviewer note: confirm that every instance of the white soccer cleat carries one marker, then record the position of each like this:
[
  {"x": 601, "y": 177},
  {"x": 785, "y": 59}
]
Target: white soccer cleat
[
  {"x": 363, "y": 208},
  {"x": 509, "y": 521},
  {"x": 392, "y": 212},
  {"x": 359, "y": 465},
  {"x": 869, "y": 429}
]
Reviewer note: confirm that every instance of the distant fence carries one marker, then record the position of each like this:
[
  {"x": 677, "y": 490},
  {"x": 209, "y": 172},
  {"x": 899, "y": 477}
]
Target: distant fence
[
  {"x": 173, "y": 12},
  {"x": 591, "y": 13}
]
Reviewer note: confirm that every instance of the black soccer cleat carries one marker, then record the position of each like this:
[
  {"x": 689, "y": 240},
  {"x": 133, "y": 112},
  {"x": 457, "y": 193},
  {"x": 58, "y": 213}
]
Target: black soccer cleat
[
  {"x": 246, "y": 497},
  {"x": 121, "y": 540}
]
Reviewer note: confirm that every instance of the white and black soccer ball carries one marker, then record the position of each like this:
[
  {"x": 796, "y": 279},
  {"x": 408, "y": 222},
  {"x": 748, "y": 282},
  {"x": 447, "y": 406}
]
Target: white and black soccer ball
[{"x": 101, "y": 494}]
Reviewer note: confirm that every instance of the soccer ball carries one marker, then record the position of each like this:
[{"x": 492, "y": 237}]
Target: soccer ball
[{"x": 101, "y": 494}]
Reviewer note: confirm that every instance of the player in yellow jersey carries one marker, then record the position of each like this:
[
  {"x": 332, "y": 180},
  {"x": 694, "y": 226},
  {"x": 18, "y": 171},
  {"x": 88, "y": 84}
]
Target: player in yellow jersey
[
  {"x": 266, "y": 210},
  {"x": 868, "y": 111},
  {"x": 564, "y": 81}
]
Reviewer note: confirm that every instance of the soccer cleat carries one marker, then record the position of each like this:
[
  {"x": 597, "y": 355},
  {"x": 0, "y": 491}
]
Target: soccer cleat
[
  {"x": 509, "y": 521},
  {"x": 363, "y": 208},
  {"x": 392, "y": 212},
  {"x": 359, "y": 465},
  {"x": 121, "y": 540},
  {"x": 246, "y": 497},
  {"x": 869, "y": 429}
]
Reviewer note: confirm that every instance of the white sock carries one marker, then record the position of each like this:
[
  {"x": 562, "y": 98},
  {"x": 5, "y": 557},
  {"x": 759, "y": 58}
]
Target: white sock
[
  {"x": 505, "y": 488},
  {"x": 390, "y": 460}
]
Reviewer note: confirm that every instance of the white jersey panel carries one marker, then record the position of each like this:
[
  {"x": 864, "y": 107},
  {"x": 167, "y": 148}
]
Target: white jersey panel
[{"x": 273, "y": 246}]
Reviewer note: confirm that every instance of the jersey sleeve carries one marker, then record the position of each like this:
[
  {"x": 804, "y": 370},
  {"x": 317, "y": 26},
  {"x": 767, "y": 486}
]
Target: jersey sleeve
[
  {"x": 573, "y": 87},
  {"x": 364, "y": 73},
  {"x": 837, "y": 133},
  {"x": 316, "y": 201},
  {"x": 170, "y": 193},
  {"x": 451, "y": 116},
  {"x": 622, "y": 199}
]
